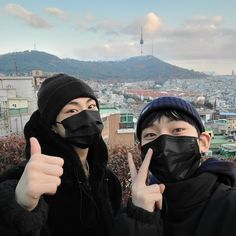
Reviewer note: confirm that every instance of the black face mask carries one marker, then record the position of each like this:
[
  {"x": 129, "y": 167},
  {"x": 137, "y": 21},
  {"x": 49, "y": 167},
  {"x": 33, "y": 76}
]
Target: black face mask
[
  {"x": 174, "y": 158},
  {"x": 83, "y": 129}
]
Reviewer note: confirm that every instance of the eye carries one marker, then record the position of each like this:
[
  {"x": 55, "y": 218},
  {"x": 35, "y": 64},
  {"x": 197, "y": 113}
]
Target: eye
[
  {"x": 92, "y": 106},
  {"x": 149, "y": 135},
  {"x": 72, "y": 111},
  {"x": 178, "y": 131}
]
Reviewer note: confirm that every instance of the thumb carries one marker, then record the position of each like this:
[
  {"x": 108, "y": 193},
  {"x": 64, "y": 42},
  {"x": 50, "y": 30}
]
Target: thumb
[
  {"x": 159, "y": 203},
  {"x": 34, "y": 146},
  {"x": 162, "y": 188}
]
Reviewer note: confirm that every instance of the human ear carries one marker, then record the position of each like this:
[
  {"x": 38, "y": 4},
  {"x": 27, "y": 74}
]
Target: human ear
[{"x": 204, "y": 142}]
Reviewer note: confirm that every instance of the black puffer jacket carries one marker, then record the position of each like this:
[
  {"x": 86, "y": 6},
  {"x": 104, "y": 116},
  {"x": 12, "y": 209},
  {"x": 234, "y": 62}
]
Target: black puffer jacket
[
  {"x": 80, "y": 206},
  {"x": 204, "y": 205}
]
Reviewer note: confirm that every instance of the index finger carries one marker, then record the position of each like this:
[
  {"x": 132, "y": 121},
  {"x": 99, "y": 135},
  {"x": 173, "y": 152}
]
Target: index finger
[
  {"x": 143, "y": 170},
  {"x": 132, "y": 167}
]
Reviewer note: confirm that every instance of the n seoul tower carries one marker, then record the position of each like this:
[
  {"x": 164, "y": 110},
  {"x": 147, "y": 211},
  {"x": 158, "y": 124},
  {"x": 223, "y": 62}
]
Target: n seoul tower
[{"x": 141, "y": 40}]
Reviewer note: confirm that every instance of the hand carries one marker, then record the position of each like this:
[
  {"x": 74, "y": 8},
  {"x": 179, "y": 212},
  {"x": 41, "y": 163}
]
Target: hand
[
  {"x": 41, "y": 176},
  {"x": 148, "y": 197}
]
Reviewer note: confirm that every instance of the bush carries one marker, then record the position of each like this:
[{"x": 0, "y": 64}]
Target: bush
[
  {"x": 11, "y": 151},
  {"x": 118, "y": 163}
]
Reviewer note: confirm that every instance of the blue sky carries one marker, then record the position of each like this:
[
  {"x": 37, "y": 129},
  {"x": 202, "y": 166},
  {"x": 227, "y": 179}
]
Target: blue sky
[{"x": 194, "y": 34}]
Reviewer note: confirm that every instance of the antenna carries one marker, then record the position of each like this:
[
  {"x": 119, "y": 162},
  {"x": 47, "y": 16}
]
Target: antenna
[
  {"x": 141, "y": 40},
  {"x": 15, "y": 66},
  {"x": 152, "y": 47}
]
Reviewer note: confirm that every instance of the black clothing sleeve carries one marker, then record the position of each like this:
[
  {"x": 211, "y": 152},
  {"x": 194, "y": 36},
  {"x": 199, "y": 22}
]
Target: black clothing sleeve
[
  {"x": 220, "y": 214},
  {"x": 115, "y": 191},
  {"x": 15, "y": 220},
  {"x": 135, "y": 221}
]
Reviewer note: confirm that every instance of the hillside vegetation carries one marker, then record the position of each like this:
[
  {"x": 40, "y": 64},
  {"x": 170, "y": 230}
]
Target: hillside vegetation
[{"x": 132, "y": 69}]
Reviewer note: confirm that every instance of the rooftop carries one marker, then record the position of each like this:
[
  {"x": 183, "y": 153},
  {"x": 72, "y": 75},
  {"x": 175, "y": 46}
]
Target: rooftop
[
  {"x": 106, "y": 111},
  {"x": 218, "y": 140}
]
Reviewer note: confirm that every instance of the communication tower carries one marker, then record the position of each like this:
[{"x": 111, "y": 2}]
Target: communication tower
[{"x": 141, "y": 41}]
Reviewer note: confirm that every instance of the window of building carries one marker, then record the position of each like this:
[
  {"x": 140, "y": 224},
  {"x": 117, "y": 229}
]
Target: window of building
[{"x": 126, "y": 121}]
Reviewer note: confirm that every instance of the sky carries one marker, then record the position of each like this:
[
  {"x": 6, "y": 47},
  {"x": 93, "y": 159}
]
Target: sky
[{"x": 193, "y": 34}]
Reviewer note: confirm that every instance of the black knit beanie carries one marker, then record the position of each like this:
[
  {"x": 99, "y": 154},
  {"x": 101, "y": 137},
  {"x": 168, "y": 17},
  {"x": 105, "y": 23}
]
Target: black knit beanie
[
  {"x": 56, "y": 91},
  {"x": 169, "y": 103}
]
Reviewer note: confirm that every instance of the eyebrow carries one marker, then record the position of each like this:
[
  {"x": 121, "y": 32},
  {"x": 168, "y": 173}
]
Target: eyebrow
[
  {"x": 77, "y": 103},
  {"x": 152, "y": 125}
]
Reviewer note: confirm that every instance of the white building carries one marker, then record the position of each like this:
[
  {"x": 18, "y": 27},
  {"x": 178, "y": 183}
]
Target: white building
[{"x": 17, "y": 102}]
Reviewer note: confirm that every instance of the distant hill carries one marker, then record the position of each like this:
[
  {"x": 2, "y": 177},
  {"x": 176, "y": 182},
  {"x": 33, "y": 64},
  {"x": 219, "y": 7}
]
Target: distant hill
[{"x": 131, "y": 69}]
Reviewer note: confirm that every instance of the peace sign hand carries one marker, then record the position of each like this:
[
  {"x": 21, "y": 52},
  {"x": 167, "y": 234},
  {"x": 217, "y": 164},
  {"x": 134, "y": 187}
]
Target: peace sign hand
[{"x": 148, "y": 197}]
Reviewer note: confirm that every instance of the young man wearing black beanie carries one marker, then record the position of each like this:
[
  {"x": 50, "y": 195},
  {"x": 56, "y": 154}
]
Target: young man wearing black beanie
[
  {"x": 64, "y": 187},
  {"x": 183, "y": 197}
]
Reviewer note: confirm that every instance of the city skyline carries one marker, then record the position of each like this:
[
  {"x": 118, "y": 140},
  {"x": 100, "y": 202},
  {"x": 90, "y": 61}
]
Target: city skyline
[{"x": 197, "y": 35}]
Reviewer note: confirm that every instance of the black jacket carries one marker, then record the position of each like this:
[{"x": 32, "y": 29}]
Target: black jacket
[
  {"x": 80, "y": 206},
  {"x": 204, "y": 205}
]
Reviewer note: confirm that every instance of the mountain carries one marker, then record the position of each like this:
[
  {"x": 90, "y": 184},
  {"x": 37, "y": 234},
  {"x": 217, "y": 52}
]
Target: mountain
[{"x": 131, "y": 69}]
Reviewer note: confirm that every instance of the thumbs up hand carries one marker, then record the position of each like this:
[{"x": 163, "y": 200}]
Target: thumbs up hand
[{"x": 41, "y": 176}]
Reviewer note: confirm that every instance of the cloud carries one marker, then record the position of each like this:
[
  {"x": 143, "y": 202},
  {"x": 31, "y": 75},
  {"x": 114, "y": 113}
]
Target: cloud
[
  {"x": 153, "y": 23},
  {"x": 200, "y": 40},
  {"x": 85, "y": 22},
  {"x": 56, "y": 12},
  {"x": 29, "y": 17},
  {"x": 204, "y": 22},
  {"x": 200, "y": 37},
  {"x": 108, "y": 27},
  {"x": 107, "y": 51}
]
